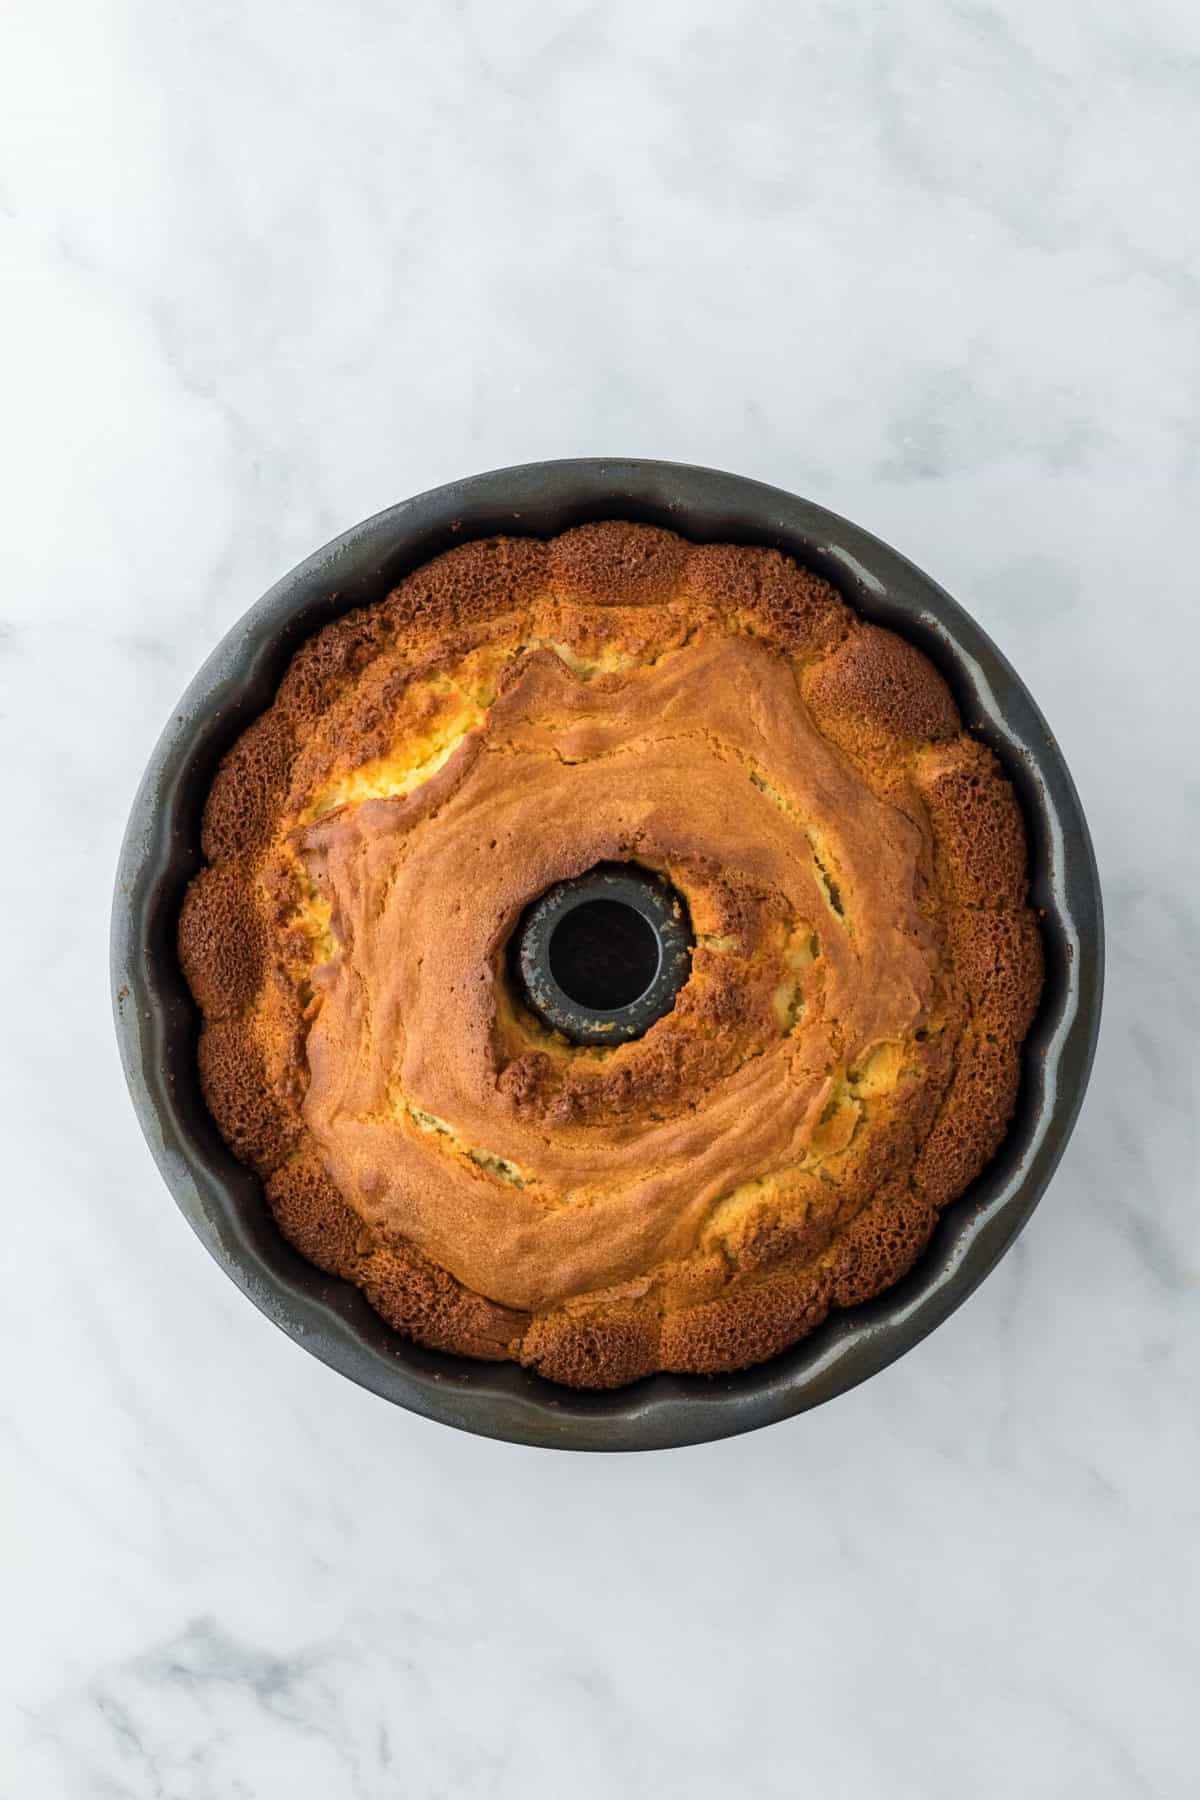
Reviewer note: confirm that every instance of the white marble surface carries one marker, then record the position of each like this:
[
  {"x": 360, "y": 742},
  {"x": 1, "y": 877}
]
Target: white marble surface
[{"x": 935, "y": 264}]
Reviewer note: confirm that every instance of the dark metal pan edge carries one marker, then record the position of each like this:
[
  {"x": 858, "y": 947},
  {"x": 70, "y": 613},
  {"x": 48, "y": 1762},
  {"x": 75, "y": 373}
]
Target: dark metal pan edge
[{"x": 156, "y": 1022}]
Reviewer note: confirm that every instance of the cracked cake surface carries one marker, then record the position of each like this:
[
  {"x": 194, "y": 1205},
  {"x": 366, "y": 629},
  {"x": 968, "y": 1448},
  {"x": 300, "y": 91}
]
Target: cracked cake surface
[{"x": 840, "y": 1063}]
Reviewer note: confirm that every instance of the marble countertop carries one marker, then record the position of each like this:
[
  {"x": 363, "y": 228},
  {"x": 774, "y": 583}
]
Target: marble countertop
[{"x": 934, "y": 264}]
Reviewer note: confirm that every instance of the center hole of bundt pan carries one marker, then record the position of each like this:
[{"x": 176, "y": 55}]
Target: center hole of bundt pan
[
  {"x": 604, "y": 954},
  {"x": 602, "y": 957}
]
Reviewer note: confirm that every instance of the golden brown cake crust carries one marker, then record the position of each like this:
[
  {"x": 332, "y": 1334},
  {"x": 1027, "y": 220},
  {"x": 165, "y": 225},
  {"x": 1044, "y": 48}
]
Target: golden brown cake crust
[{"x": 841, "y": 1062}]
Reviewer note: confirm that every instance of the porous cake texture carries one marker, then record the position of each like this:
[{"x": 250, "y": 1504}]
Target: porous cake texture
[{"x": 841, "y": 1062}]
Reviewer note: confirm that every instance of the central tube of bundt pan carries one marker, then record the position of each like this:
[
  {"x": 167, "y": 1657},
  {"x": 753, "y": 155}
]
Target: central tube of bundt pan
[{"x": 600, "y": 958}]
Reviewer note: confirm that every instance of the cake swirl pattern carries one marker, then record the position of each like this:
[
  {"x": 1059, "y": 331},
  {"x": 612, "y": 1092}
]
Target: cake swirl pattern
[{"x": 842, "y": 1060}]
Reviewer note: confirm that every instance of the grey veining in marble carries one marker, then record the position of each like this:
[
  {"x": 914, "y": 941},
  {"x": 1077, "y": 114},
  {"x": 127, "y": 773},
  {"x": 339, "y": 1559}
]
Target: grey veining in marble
[{"x": 935, "y": 264}]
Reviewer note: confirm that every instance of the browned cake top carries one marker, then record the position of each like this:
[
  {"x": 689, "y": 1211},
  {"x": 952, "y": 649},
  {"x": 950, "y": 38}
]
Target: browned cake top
[{"x": 841, "y": 1061}]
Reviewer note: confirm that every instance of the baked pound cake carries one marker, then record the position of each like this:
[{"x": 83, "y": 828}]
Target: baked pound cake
[{"x": 839, "y": 1063}]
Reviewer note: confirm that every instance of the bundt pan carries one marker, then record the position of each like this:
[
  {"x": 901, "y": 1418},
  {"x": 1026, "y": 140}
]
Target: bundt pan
[{"x": 157, "y": 1022}]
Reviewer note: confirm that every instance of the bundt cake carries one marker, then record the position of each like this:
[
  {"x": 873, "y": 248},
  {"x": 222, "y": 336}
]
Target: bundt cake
[{"x": 848, "y": 866}]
